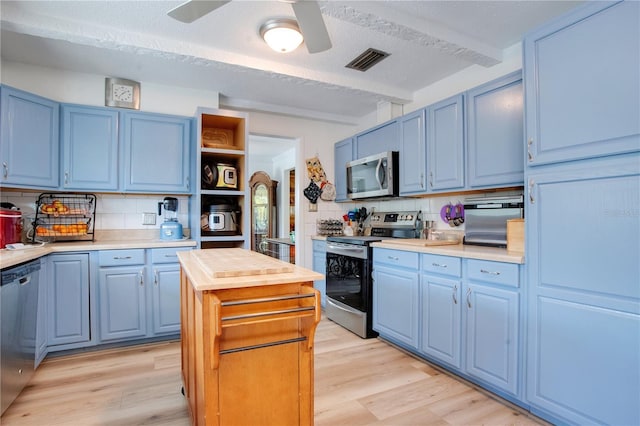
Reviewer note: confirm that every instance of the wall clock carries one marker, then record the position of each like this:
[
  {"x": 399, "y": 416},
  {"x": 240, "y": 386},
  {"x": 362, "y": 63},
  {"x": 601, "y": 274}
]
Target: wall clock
[{"x": 119, "y": 92}]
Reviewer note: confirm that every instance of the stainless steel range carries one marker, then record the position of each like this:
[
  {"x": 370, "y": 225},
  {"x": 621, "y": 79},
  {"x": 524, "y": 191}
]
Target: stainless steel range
[{"x": 349, "y": 264}]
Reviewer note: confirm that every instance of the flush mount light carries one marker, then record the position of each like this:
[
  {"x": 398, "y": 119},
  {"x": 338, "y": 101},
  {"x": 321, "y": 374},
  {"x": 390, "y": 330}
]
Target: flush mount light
[{"x": 282, "y": 35}]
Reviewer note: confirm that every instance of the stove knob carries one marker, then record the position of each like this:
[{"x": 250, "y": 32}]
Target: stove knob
[{"x": 409, "y": 217}]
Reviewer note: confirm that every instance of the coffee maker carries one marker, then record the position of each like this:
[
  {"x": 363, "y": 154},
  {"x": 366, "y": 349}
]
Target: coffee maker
[{"x": 170, "y": 229}]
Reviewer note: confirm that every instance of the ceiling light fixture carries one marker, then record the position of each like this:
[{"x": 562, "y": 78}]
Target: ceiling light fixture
[{"x": 282, "y": 35}]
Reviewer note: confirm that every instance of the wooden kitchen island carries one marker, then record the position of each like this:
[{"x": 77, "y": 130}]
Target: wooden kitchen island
[{"x": 247, "y": 327}]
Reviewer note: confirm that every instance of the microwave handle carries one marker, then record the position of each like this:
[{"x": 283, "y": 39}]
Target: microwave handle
[{"x": 380, "y": 171}]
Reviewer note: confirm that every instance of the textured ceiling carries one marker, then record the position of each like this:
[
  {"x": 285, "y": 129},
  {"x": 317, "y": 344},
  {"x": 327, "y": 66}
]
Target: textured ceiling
[{"x": 223, "y": 52}]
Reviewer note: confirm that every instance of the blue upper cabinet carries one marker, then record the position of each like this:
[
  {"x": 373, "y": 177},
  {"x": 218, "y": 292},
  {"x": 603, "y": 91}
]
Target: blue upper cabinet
[
  {"x": 89, "y": 143},
  {"x": 385, "y": 137},
  {"x": 412, "y": 153},
  {"x": 342, "y": 154},
  {"x": 445, "y": 144},
  {"x": 156, "y": 153},
  {"x": 28, "y": 140},
  {"x": 495, "y": 134},
  {"x": 582, "y": 84}
]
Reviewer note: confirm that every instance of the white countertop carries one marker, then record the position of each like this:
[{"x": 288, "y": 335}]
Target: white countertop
[
  {"x": 457, "y": 250},
  {"x": 13, "y": 257}
]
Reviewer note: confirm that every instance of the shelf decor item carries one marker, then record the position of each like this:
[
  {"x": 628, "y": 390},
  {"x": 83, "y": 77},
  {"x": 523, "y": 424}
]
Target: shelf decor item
[
  {"x": 122, "y": 93},
  {"x": 64, "y": 217}
]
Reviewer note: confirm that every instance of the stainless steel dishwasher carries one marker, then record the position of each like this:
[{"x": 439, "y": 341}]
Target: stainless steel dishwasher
[{"x": 19, "y": 306}]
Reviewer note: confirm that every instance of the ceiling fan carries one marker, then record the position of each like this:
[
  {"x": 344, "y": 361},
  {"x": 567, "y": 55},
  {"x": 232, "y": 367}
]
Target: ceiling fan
[{"x": 307, "y": 14}]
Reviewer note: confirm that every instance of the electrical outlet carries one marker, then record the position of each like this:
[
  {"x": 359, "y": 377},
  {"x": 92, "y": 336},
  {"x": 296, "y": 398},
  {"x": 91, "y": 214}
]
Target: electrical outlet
[
  {"x": 313, "y": 207},
  {"x": 148, "y": 218}
]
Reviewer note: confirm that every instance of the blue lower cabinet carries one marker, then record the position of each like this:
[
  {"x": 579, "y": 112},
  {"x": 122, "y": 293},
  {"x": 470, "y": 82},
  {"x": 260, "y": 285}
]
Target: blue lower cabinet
[
  {"x": 441, "y": 319},
  {"x": 395, "y": 296},
  {"x": 320, "y": 266},
  {"x": 68, "y": 313},
  {"x": 166, "y": 299},
  {"x": 492, "y": 336},
  {"x": 122, "y": 302}
]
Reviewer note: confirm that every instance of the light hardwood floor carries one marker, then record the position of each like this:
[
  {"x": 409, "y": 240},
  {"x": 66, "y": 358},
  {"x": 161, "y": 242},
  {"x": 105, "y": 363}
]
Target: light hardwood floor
[{"x": 357, "y": 382}]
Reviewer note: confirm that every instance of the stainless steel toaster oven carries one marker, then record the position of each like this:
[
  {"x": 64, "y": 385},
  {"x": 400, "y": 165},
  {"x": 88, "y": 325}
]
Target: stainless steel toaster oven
[{"x": 485, "y": 219}]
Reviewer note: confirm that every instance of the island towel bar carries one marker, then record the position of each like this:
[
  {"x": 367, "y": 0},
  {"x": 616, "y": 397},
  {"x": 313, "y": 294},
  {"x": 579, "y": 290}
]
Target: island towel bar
[
  {"x": 262, "y": 314},
  {"x": 266, "y": 299},
  {"x": 262, "y": 345}
]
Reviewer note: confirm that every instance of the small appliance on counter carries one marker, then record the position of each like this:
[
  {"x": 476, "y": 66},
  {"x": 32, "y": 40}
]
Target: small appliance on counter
[
  {"x": 486, "y": 219},
  {"x": 10, "y": 225},
  {"x": 170, "y": 229}
]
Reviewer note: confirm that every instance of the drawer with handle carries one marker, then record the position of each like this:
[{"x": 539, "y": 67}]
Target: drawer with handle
[
  {"x": 446, "y": 265},
  {"x": 167, "y": 255},
  {"x": 494, "y": 272},
  {"x": 121, "y": 257},
  {"x": 405, "y": 259}
]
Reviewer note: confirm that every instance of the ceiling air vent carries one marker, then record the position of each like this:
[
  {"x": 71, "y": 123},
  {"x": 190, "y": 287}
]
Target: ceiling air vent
[{"x": 367, "y": 59}]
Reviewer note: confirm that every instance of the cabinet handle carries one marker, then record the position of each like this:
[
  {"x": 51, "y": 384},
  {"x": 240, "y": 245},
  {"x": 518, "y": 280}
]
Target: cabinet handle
[
  {"x": 422, "y": 180},
  {"x": 5, "y": 169},
  {"x": 469, "y": 298},
  {"x": 529, "y": 153},
  {"x": 141, "y": 279},
  {"x": 431, "y": 179},
  {"x": 155, "y": 278},
  {"x": 532, "y": 199},
  {"x": 484, "y": 271},
  {"x": 188, "y": 183},
  {"x": 66, "y": 178},
  {"x": 170, "y": 255},
  {"x": 393, "y": 258},
  {"x": 121, "y": 257},
  {"x": 455, "y": 290},
  {"x": 439, "y": 265}
]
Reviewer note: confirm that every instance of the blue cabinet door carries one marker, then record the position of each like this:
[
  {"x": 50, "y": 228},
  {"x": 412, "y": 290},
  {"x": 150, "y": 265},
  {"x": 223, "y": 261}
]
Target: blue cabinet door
[
  {"x": 412, "y": 153},
  {"x": 68, "y": 300},
  {"x": 42, "y": 320},
  {"x": 495, "y": 133},
  {"x": 492, "y": 323},
  {"x": 582, "y": 79},
  {"x": 441, "y": 319},
  {"x": 320, "y": 266},
  {"x": 166, "y": 298},
  {"x": 156, "y": 153},
  {"x": 28, "y": 139},
  {"x": 89, "y": 141},
  {"x": 395, "y": 304},
  {"x": 342, "y": 153},
  {"x": 445, "y": 144},
  {"x": 582, "y": 233},
  {"x": 382, "y": 138},
  {"x": 122, "y": 302}
]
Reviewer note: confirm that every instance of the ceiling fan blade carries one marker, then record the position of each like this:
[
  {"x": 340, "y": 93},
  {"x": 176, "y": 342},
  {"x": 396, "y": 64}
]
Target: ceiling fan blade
[
  {"x": 193, "y": 9},
  {"x": 312, "y": 25}
]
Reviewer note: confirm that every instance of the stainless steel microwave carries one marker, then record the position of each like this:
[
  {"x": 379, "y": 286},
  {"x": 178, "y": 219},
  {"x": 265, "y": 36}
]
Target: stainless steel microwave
[{"x": 373, "y": 177}]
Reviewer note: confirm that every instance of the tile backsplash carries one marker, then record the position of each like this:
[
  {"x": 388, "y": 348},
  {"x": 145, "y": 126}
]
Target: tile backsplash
[
  {"x": 113, "y": 211},
  {"x": 430, "y": 208}
]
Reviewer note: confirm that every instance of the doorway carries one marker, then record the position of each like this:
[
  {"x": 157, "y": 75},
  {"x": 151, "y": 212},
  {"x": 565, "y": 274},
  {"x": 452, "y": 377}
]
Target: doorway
[{"x": 278, "y": 156}]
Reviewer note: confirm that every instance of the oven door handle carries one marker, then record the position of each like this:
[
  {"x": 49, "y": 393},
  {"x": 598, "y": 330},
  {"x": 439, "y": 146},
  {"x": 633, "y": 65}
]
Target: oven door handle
[
  {"x": 342, "y": 308},
  {"x": 343, "y": 247}
]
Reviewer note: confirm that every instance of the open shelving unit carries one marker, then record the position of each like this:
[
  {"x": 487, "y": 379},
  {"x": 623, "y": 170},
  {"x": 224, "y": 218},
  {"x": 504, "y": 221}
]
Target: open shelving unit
[{"x": 222, "y": 137}]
